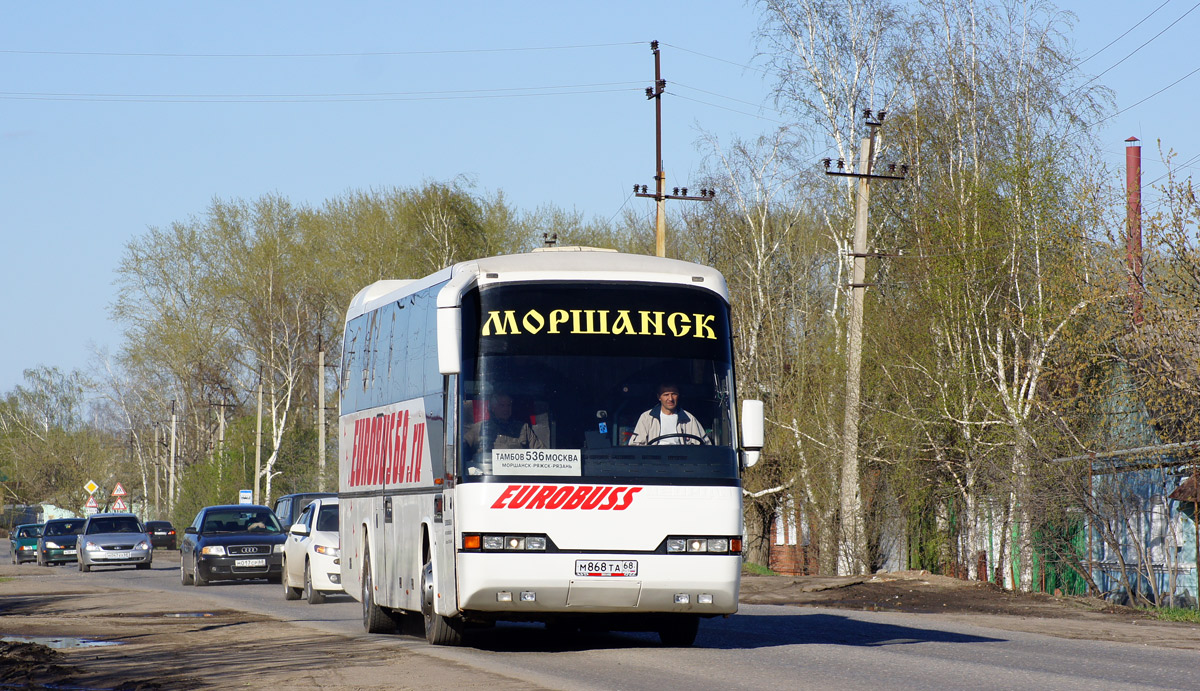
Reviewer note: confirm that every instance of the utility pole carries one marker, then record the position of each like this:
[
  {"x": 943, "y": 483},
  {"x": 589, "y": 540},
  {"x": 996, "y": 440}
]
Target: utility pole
[
  {"x": 157, "y": 464},
  {"x": 258, "y": 439},
  {"x": 171, "y": 465},
  {"x": 221, "y": 419},
  {"x": 320, "y": 415},
  {"x": 660, "y": 195},
  {"x": 852, "y": 545}
]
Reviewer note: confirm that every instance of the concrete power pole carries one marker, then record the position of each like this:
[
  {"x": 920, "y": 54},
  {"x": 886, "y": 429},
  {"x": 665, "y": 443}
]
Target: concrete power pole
[
  {"x": 320, "y": 417},
  {"x": 258, "y": 440},
  {"x": 157, "y": 465},
  {"x": 660, "y": 195},
  {"x": 852, "y": 542},
  {"x": 171, "y": 465}
]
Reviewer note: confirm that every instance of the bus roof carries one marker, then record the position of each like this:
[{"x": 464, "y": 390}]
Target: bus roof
[{"x": 544, "y": 264}]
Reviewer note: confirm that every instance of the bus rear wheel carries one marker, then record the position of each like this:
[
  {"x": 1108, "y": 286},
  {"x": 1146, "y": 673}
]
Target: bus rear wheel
[
  {"x": 375, "y": 618},
  {"x": 438, "y": 629}
]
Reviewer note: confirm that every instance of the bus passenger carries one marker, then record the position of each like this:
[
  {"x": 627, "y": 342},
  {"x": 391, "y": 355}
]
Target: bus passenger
[
  {"x": 500, "y": 430},
  {"x": 667, "y": 423}
]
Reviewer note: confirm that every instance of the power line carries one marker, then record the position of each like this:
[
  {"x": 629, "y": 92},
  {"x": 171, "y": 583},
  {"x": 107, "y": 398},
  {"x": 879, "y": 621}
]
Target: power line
[
  {"x": 1127, "y": 108},
  {"x": 732, "y": 110},
  {"x": 327, "y": 95},
  {"x": 1135, "y": 50},
  {"x": 315, "y": 55},
  {"x": 269, "y": 99},
  {"x": 713, "y": 57},
  {"x": 1123, "y": 35}
]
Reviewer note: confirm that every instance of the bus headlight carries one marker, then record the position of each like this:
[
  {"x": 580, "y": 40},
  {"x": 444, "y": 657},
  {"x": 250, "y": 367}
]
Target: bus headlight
[
  {"x": 505, "y": 543},
  {"x": 704, "y": 545},
  {"x": 718, "y": 544}
]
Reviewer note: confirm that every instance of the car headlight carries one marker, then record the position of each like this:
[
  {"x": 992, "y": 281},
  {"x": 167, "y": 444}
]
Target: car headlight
[
  {"x": 50, "y": 544},
  {"x": 327, "y": 551},
  {"x": 92, "y": 547},
  {"x": 143, "y": 545},
  {"x": 213, "y": 550},
  {"x": 277, "y": 549},
  {"x": 28, "y": 547}
]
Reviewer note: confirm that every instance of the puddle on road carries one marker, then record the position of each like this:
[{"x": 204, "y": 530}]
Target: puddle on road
[
  {"x": 59, "y": 642},
  {"x": 186, "y": 615}
]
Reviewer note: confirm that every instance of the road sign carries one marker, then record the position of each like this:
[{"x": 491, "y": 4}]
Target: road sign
[
  {"x": 118, "y": 491},
  {"x": 119, "y": 505},
  {"x": 245, "y": 496},
  {"x": 91, "y": 503},
  {"x": 91, "y": 487}
]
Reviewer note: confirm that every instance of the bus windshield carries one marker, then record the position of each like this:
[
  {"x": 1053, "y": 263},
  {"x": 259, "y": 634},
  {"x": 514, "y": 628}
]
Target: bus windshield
[{"x": 573, "y": 373}]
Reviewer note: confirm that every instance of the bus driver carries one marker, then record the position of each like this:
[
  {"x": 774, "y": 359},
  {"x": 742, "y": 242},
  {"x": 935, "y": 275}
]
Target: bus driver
[{"x": 667, "y": 423}]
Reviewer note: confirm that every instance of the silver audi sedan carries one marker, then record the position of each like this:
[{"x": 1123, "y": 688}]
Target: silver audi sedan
[{"x": 114, "y": 539}]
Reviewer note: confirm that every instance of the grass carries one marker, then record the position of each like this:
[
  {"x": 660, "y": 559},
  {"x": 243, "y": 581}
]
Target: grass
[
  {"x": 757, "y": 569},
  {"x": 1190, "y": 616}
]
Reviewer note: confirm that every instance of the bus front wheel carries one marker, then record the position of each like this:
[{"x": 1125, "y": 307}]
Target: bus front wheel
[
  {"x": 679, "y": 631},
  {"x": 438, "y": 629}
]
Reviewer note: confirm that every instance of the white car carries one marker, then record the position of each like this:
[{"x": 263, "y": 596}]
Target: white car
[{"x": 312, "y": 554}]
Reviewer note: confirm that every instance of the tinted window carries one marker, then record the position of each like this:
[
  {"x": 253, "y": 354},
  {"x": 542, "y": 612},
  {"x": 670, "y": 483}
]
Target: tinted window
[
  {"x": 64, "y": 528},
  {"x": 113, "y": 525},
  {"x": 327, "y": 518},
  {"x": 240, "y": 521}
]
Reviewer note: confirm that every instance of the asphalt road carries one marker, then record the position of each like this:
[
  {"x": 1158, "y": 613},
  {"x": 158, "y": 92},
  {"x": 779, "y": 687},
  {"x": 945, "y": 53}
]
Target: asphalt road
[{"x": 761, "y": 647}]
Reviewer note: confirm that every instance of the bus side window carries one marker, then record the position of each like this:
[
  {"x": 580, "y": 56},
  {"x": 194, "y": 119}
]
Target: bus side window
[
  {"x": 401, "y": 369},
  {"x": 351, "y": 364}
]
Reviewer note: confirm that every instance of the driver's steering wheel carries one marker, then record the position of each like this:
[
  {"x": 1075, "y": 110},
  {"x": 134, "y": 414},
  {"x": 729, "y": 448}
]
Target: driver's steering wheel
[{"x": 683, "y": 435}]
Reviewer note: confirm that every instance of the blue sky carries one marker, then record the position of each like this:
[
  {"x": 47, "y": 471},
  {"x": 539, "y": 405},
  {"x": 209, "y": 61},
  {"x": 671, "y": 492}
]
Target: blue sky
[{"x": 115, "y": 117}]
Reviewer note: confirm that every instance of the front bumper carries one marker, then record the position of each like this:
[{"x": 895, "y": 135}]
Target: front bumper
[
  {"x": 26, "y": 553},
  {"x": 661, "y": 579},
  {"x": 226, "y": 568},
  {"x": 325, "y": 572},
  {"x": 125, "y": 557},
  {"x": 58, "y": 556}
]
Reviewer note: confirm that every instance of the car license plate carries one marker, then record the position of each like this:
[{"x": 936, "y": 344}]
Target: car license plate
[
  {"x": 250, "y": 562},
  {"x": 605, "y": 567},
  {"x": 68, "y": 551},
  {"x": 118, "y": 555}
]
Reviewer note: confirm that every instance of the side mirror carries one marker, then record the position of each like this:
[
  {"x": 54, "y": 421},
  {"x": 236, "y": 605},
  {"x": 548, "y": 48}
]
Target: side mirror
[
  {"x": 189, "y": 530},
  {"x": 298, "y": 529},
  {"x": 753, "y": 422},
  {"x": 449, "y": 335}
]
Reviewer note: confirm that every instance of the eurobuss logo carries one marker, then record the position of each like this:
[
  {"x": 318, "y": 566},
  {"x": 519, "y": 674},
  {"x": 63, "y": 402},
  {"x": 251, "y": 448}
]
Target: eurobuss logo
[{"x": 566, "y": 497}]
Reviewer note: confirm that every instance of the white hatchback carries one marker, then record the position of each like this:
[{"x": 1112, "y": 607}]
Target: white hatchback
[{"x": 311, "y": 555}]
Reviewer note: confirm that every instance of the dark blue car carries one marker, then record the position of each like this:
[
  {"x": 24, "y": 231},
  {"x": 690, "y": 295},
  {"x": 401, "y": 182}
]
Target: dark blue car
[{"x": 232, "y": 542}]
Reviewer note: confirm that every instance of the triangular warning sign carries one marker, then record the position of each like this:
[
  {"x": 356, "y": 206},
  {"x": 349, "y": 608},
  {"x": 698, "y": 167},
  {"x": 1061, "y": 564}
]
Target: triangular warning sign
[
  {"x": 91, "y": 503},
  {"x": 119, "y": 505},
  {"x": 118, "y": 491}
]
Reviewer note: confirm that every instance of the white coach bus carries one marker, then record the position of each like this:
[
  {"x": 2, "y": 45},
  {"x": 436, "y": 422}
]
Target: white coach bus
[{"x": 489, "y": 464}]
